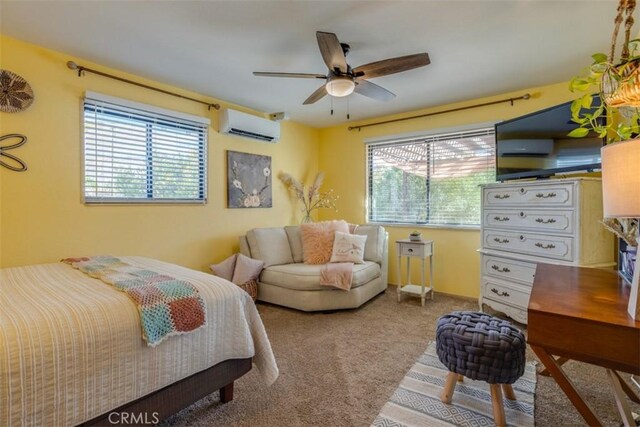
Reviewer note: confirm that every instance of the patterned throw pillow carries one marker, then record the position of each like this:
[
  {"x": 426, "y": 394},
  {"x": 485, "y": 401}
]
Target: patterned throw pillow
[
  {"x": 348, "y": 248},
  {"x": 246, "y": 269},
  {"x": 225, "y": 268},
  {"x": 317, "y": 240}
]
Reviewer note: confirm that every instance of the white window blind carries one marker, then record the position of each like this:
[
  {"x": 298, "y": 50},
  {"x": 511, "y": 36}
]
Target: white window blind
[
  {"x": 140, "y": 154},
  {"x": 430, "y": 180}
]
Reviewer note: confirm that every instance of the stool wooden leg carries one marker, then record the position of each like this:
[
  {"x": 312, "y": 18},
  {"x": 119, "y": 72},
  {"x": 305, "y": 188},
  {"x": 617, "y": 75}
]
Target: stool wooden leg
[
  {"x": 449, "y": 387},
  {"x": 508, "y": 392},
  {"x": 496, "y": 402},
  {"x": 460, "y": 378}
]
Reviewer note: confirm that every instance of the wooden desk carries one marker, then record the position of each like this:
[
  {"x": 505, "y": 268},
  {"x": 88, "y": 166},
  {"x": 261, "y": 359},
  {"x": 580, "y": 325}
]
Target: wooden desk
[{"x": 581, "y": 314}]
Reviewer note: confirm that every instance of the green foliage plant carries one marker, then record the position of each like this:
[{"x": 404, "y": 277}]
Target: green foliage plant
[{"x": 601, "y": 78}]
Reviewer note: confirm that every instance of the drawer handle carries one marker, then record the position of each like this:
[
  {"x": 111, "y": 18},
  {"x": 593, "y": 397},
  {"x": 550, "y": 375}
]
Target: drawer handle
[
  {"x": 545, "y": 221},
  {"x": 501, "y": 196},
  {"x": 543, "y": 246},
  {"x": 498, "y": 240},
  {"x": 409, "y": 250},
  {"x": 500, "y": 294},
  {"x": 504, "y": 218},
  {"x": 545, "y": 196},
  {"x": 500, "y": 270}
]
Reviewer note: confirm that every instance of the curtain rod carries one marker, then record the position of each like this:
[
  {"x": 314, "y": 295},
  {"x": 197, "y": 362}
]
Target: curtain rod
[
  {"x": 511, "y": 100},
  {"x": 73, "y": 66}
]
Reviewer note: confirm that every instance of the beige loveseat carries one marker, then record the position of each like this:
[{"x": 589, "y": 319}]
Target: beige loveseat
[{"x": 287, "y": 281}]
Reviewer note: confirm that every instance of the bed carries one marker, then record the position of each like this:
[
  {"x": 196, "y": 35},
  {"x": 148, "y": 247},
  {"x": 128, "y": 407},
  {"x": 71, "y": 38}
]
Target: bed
[{"x": 71, "y": 347}]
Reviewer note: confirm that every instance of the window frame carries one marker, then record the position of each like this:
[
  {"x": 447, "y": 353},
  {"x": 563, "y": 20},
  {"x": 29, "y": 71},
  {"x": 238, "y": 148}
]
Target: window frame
[
  {"x": 93, "y": 98},
  {"x": 408, "y": 137}
]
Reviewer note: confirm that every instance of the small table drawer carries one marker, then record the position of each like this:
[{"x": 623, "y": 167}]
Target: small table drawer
[
  {"x": 413, "y": 249},
  {"x": 544, "y": 221},
  {"x": 556, "y": 247},
  {"x": 550, "y": 194},
  {"x": 520, "y": 271},
  {"x": 506, "y": 293}
]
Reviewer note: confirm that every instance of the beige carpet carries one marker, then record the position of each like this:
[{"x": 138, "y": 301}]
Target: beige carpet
[{"x": 339, "y": 369}]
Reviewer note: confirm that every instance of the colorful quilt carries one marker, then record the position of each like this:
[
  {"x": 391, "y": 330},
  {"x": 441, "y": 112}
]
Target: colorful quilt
[{"x": 167, "y": 306}]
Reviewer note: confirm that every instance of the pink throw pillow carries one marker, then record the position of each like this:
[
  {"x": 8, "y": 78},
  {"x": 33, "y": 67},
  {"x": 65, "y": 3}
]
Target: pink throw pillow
[
  {"x": 317, "y": 240},
  {"x": 246, "y": 269},
  {"x": 225, "y": 268}
]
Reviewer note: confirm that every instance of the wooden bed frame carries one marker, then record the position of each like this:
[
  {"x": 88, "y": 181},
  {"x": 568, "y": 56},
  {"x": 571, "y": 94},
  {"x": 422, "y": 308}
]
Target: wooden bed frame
[{"x": 171, "y": 399}]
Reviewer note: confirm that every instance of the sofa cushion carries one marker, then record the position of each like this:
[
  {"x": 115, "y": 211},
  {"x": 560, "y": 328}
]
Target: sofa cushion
[
  {"x": 270, "y": 245},
  {"x": 374, "y": 247},
  {"x": 306, "y": 277},
  {"x": 295, "y": 242},
  {"x": 246, "y": 269},
  {"x": 348, "y": 248},
  {"x": 226, "y": 268},
  {"x": 317, "y": 240}
]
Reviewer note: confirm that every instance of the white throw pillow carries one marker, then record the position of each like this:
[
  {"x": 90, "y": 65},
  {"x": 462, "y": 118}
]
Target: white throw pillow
[{"x": 348, "y": 248}]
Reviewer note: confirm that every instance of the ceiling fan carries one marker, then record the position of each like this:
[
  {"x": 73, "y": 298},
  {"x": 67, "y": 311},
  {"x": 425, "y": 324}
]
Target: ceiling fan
[{"x": 342, "y": 80}]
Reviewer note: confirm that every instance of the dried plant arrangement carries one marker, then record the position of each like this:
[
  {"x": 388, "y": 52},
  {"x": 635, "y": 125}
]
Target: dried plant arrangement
[
  {"x": 311, "y": 198},
  {"x": 625, "y": 228}
]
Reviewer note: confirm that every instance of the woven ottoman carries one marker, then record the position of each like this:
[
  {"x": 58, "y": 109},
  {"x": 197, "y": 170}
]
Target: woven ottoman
[{"x": 481, "y": 347}]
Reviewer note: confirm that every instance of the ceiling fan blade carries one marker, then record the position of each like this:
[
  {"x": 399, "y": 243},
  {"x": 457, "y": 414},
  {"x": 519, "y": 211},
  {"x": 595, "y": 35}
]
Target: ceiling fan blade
[
  {"x": 331, "y": 51},
  {"x": 316, "y": 96},
  {"x": 392, "y": 65},
  {"x": 296, "y": 75},
  {"x": 373, "y": 91}
]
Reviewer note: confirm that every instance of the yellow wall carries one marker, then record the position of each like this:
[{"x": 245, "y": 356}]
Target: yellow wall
[
  {"x": 342, "y": 157},
  {"x": 41, "y": 213},
  {"x": 42, "y": 218}
]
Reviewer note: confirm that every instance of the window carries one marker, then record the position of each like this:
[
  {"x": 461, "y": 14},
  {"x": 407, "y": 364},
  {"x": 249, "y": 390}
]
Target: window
[
  {"x": 134, "y": 153},
  {"x": 430, "y": 180}
]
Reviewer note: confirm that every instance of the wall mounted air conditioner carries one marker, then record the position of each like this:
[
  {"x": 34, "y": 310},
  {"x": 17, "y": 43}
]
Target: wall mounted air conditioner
[
  {"x": 237, "y": 123},
  {"x": 525, "y": 147}
]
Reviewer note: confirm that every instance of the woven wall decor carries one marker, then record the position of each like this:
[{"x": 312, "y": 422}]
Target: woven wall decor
[{"x": 15, "y": 93}]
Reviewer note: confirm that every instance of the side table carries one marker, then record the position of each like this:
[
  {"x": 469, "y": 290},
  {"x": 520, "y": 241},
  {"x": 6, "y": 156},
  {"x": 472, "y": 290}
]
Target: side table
[{"x": 415, "y": 249}]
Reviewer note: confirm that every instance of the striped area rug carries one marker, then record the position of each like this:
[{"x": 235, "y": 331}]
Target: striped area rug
[{"x": 416, "y": 401}]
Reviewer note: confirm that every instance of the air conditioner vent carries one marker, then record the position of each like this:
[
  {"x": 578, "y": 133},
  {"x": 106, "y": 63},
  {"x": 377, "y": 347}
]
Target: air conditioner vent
[{"x": 245, "y": 125}]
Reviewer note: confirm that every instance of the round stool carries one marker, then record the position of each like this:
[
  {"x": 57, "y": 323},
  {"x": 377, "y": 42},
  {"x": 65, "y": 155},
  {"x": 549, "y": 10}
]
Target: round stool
[{"x": 481, "y": 347}]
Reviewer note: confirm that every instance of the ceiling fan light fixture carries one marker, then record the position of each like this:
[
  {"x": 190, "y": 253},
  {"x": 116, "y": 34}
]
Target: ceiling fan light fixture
[{"x": 340, "y": 86}]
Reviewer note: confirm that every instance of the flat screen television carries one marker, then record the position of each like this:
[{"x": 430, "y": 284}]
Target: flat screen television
[{"x": 537, "y": 145}]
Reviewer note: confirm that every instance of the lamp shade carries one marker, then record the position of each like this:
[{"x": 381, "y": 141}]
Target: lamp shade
[
  {"x": 621, "y": 179},
  {"x": 340, "y": 86}
]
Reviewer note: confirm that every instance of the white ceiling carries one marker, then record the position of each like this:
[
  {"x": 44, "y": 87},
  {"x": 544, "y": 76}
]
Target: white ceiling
[{"x": 477, "y": 48}]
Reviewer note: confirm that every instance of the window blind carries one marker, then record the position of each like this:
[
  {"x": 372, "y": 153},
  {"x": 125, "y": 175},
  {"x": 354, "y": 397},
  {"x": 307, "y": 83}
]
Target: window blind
[
  {"x": 430, "y": 180},
  {"x": 134, "y": 154}
]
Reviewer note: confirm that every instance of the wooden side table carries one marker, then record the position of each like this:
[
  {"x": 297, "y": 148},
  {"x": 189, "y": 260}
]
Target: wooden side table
[{"x": 415, "y": 249}]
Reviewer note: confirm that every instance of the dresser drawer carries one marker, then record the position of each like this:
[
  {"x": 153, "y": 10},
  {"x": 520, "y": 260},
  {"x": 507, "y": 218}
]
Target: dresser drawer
[
  {"x": 505, "y": 292},
  {"x": 412, "y": 249},
  {"x": 507, "y": 269},
  {"x": 517, "y": 313},
  {"x": 542, "y": 220},
  {"x": 529, "y": 195},
  {"x": 556, "y": 247}
]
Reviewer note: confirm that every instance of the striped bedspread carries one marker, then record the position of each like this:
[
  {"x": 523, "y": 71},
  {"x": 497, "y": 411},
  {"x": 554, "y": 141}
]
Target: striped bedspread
[{"x": 71, "y": 348}]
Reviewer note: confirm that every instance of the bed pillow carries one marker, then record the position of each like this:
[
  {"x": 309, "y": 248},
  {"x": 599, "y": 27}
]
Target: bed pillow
[
  {"x": 225, "y": 268},
  {"x": 246, "y": 269},
  {"x": 317, "y": 240},
  {"x": 348, "y": 248}
]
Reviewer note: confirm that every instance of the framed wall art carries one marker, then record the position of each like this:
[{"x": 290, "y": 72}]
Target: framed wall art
[{"x": 248, "y": 180}]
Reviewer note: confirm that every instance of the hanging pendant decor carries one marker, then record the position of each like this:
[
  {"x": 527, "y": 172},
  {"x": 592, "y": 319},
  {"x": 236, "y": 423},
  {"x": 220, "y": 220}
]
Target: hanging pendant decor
[
  {"x": 621, "y": 79},
  {"x": 15, "y": 93},
  {"x": 14, "y": 164}
]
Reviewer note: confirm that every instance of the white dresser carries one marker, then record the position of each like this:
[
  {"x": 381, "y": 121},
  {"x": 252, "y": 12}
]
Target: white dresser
[{"x": 523, "y": 223}]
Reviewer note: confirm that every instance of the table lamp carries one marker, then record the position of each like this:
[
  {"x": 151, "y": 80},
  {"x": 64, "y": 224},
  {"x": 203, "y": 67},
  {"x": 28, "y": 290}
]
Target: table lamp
[{"x": 621, "y": 196}]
